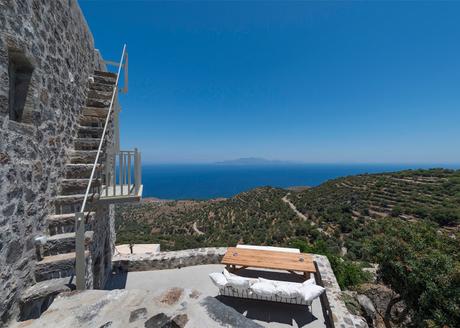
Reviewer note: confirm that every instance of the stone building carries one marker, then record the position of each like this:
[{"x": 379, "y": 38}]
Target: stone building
[{"x": 56, "y": 97}]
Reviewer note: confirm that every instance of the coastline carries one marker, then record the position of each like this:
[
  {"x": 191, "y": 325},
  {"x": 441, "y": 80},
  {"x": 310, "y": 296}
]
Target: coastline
[{"x": 209, "y": 181}]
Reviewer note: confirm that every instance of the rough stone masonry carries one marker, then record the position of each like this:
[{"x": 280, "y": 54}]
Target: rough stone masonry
[{"x": 46, "y": 57}]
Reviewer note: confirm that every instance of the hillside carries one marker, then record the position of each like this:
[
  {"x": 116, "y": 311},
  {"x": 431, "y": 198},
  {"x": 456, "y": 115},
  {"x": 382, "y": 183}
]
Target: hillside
[
  {"x": 338, "y": 208},
  {"x": 421, "y": 194},
  {"x": 407, "y": 222},
  {"x": 258, "y": 216},
  {"x": 345, "y": 208}
]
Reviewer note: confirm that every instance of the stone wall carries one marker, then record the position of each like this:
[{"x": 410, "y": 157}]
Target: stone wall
[
  {"x": 168, "y": 260},
  {"x": 336, "y": 312},
  {"x": 53, "y": 37}
]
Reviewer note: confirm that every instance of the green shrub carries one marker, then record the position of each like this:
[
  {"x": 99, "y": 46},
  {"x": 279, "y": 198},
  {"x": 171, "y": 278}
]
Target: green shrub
[
  {"x": 423, "y": 267},
  {"x": 346, "y": 272}
]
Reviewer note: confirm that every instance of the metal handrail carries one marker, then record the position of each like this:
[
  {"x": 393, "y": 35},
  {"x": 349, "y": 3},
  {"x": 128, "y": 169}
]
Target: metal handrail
[
  {"x": 114, "y": 93},
  {"x": 79, "y": 216}
]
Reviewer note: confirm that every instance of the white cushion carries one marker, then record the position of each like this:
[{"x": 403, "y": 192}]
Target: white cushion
[
  {"x": 310, "y": 292},
  {"x": 264, "y": 289},
  {"x": 218, "y": 279},
  {"x": 310, "y": 281},
  {"x": 237, "y": 281},
  {"x": 297, "y": 284},
  {"x": 287, "y": 289},
  {"x": 269, "y": 281}
]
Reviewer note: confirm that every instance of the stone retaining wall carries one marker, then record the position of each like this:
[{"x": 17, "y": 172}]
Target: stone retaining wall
[
  {"x": 168, "y": 260},
  {"x": 333, "y": 306}
]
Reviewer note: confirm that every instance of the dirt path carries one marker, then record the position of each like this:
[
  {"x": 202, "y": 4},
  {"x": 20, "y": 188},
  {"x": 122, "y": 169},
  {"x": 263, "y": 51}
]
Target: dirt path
[
  {"x": 195, "y": 228},
  {"x": 301, "y": 215},
  {"x": 292, "y": 206}
]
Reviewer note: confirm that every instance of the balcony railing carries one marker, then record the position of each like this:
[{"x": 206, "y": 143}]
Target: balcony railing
[{"x": 122, "y": 176}]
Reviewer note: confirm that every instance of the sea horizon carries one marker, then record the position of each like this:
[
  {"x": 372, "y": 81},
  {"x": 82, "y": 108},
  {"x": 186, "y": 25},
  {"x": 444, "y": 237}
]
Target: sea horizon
[{"x": 203, "y": 181}]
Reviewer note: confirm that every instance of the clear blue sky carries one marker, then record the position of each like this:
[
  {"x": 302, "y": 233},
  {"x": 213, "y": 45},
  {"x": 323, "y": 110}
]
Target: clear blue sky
[{"x": 305, "y": 81}]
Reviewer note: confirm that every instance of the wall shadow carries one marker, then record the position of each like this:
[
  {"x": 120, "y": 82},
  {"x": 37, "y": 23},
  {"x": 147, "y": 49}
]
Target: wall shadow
[
  {"x": 267, "y": 311},
  {"x": 116, "y": 280}
]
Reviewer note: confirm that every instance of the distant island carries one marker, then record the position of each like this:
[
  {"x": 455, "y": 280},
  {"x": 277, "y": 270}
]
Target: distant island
[{"x": 254, "y": 161}]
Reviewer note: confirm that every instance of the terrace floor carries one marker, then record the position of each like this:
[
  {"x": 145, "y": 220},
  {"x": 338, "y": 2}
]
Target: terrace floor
[{"x": 195, "y": 278}]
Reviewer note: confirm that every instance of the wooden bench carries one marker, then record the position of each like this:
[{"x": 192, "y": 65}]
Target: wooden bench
[{"x": 236, "y": 259}]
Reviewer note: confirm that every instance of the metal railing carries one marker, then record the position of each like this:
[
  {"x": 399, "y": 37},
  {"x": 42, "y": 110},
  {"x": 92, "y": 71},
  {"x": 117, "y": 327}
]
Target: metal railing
[{"x": 98, "y": 178}]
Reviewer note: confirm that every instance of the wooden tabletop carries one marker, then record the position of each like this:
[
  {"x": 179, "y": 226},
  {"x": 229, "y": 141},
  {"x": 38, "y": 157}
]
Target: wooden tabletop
[{"x": 269, "y": 259}]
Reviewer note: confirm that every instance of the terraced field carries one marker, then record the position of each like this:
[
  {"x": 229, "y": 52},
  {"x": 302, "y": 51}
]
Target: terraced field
[{"x": 432, "y": 195}]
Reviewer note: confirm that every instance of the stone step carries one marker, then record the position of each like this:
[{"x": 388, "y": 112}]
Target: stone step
[
  {"x": 65, "y": 223},
  {"x": 99, "y": 94},
  {"x": 56, "y": 266},
  {"x": 101, "y": 103},
  {"x": 83, "y": 156},
  {"x": 105, "y": 74},
  {"x": 93, "y": 121},
  {"x": 95, "y": 111},
  {"x": 90, "y": 131},
  {"x": 109, "y": 80},
  {"x": 37, "y": 298},
  {"x": 101, "y": 87},
  {"x": 79, "y": 171},
  {"x": 76, "y": 186},
  {"x": 87, "y": 143},
  {"x": 68, "y": 203},
  {"x": 63, "y": 243}
]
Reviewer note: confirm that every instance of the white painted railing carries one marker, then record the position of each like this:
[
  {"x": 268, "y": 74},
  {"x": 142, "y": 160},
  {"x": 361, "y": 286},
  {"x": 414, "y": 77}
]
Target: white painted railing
[{"x": 122, "y": 174}]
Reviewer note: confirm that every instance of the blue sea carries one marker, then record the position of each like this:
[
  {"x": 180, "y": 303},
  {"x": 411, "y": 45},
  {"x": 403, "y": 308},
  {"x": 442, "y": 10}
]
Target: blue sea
[{"x": 206, "y": 181}]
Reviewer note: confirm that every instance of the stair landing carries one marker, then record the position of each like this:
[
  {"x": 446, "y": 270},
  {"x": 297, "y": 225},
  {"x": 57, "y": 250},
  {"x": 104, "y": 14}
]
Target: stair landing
[{"x": 120, "y": 194}]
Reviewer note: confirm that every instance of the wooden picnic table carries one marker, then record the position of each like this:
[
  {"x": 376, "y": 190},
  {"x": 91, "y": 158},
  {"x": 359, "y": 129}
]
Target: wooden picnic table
[{"x": 245, "y": 258}]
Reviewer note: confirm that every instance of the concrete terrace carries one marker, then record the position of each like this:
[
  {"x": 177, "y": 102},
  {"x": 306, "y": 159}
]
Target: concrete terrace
[
  {"x": 173, "y": 289},
  {"x": 266, "y": 314},
  {"x": 182, "y": 297}
]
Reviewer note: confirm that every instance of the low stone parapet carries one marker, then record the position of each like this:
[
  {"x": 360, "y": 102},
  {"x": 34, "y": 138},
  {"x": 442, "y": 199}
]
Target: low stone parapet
[
  {"x": 168, "y": 260},
  {"x": 334, "y": 307}
]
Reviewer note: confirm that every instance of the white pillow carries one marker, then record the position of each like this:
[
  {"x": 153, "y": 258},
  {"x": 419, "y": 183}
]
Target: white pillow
[
  {"x": 310, "y": 292},
  {"x": 298, "y": 284},
  {"x": 227, "y": 274},
  {"x": 264, "y": 289},
  {"x": 287, "y": 290},
  {"x": 268, "y": 281},
  {"x": 237, "y": 281},
  {"x": 310, "y": 281},
  {"x": 218, "y": 279}
]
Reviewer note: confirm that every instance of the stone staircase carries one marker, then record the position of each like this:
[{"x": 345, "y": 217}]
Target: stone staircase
[
  {"x": 59, "y": 251},
  {"x": 56, "y": 253}
]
